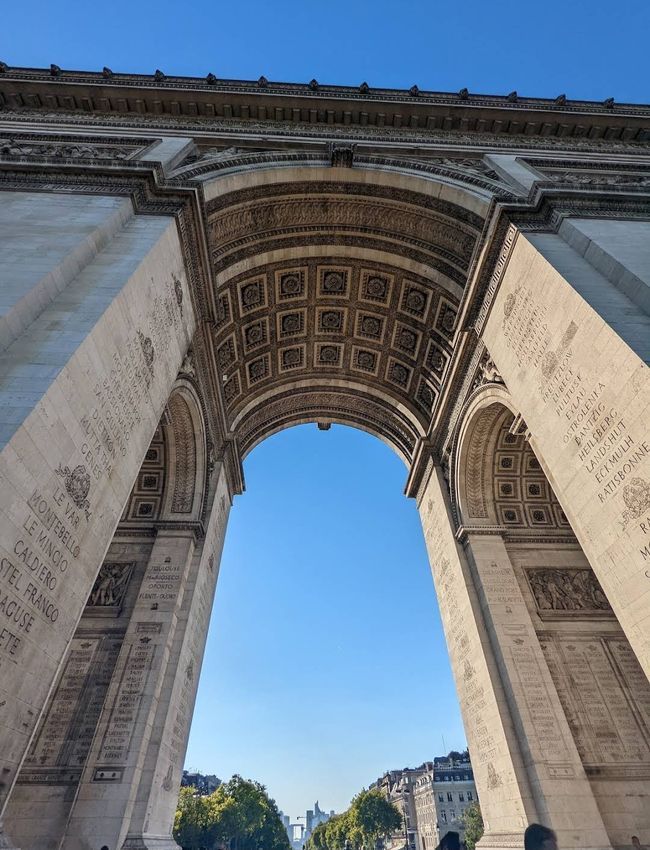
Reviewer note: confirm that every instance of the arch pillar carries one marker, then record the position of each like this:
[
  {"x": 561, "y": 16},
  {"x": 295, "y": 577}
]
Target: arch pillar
[
  {"x": 506, "y": 796},
  {"x": 129, "y": 788},
  {"x": 525, "y": 762},
  {"x": 99, "y": 360}
]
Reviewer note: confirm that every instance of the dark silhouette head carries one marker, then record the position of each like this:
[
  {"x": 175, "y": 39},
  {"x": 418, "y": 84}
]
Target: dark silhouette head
[
  {"x": 538, "y": 837},
  {"x": 450, "y": 841}
]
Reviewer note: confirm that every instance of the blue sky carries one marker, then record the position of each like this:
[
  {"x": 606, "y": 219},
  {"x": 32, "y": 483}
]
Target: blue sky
[
  {"x": 586, "y": 48},
  {"x": 326, "y": 663}
]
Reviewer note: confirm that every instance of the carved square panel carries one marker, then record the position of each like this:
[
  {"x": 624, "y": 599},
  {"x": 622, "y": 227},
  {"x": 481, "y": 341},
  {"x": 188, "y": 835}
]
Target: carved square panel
[
  {"x": 291, "y": 323},
  {"x": 531, "y": 464},
  {"x": 333, "y": 281},
  {"x": 291, "y": 357},
  {"x": 258, "y": 369},
  {"x": 398, "y": 373},
  {"x": 365, "y": 360},
  {"x": 153, "y": 455},
  {"x": 426, "y": 395},
  {"x": 506, "y": 463},
  {"x": 414, "y": 300},
  {"x": 370, "y": 326},
  {"x": 406, "y": 340},
  {"x": 232, "y": 388},
  {"x": 290, "y": 284},
  {"x": 510, "y": 515},
  {"x": 252, "y": 295},
  {"x": 145, "y": 508},
  {"x": 508, "y": 489},
  {"x": 328, "y": 354},
  {"x": 330, "y": 320},
  {"x": 537, "y": 490},
  {"x": 539, "y": 515},
  {"x": 436, "y": 358},
  {"x": 560, "y": 517},
  {"x": 375, "y": 286},
  {"x": 509, "y": 441},
  {"x": 255, "y": 334},
  {"x": 149, "y": 481},
  {"x": 224, "y": 310},
  {"x": 445, "y": 321},
  {"x": 227, "y": 353}
]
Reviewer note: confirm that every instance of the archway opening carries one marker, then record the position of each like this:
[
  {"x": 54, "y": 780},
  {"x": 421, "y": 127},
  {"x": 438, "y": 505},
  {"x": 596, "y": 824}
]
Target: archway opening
[{"x": 326, "y": 664}]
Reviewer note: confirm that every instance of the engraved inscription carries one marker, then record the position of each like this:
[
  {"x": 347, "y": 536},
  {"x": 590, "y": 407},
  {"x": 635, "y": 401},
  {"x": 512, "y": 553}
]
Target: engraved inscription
[{"x": 605, "y": 696}]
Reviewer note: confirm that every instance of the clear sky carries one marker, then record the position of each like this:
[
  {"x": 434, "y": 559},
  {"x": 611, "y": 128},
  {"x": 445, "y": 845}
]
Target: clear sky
[
  {"x": 585, "y": 48},
  {"x": 326, "y": 663}
]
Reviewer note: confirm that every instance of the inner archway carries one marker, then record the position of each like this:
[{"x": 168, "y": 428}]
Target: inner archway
[{"x": 325, "y": 645}]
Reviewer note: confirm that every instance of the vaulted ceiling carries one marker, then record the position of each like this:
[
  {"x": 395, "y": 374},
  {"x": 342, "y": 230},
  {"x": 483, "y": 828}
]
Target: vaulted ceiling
[{"x": 336, "y": 299}]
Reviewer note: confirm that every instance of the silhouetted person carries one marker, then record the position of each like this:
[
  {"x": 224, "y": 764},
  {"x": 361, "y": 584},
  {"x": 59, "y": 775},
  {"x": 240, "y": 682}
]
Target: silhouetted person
[
  {"x": 538, "y": 837},
  {"x": 450, "y": 841}
]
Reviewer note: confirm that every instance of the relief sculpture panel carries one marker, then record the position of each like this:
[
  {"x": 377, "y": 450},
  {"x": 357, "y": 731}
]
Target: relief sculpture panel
[
  {"x": 557, "y": 592},
  {"x": 110, "y": 586}
]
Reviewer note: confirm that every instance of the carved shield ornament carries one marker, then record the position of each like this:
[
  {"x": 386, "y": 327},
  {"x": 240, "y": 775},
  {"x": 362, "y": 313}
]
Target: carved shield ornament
[
  {"x": 636, "y": 496},
  {"x": 77, "y": 486}
]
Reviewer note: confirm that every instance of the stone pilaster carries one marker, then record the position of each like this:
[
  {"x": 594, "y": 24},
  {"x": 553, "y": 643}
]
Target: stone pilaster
[
  {"x": 560, "y": 788},
  {"x": 117, "y": 762},
  {"x": 507, "y": 799}
]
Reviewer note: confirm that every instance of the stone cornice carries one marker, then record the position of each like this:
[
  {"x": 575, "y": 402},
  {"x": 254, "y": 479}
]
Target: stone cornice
[{"x": 327, "y": 107}]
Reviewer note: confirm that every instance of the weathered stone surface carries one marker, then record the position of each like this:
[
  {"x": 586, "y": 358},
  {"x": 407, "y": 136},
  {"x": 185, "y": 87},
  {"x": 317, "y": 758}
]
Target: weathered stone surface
[{"x": 171, "y": 298}]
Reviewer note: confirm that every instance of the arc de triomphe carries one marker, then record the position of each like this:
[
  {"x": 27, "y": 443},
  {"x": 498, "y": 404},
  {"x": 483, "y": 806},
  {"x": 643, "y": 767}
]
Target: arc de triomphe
[{"x": 190, "y": 265}]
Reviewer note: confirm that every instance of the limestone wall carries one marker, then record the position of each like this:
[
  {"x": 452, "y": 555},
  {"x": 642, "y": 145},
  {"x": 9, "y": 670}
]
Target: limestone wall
[
  {"x": 81, "y": 393},
  {"x": 562, "y": 337}
]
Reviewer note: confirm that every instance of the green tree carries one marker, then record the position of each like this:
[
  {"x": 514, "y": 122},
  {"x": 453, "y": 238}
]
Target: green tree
[
  {"x": 473, "y": 822},
  {"x": 318, "y": 838},
  {"x": 337, "y": 830},
  {"x": 372, "y": 817},
  {"x": 239, "y": 815},
  {"x": 192, "y": 820}
]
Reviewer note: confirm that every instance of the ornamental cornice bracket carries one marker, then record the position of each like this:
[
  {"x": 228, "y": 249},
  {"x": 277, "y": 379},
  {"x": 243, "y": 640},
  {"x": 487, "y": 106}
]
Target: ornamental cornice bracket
[{"x": 465, "y": 532}]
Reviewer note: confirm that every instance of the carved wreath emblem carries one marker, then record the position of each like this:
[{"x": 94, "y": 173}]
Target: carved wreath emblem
[
  {"x": 77, "y": 486},
  {"x": 494, "y": 780},
  {"x": 178, "y": 291},
  {"x": 147, "y": 351},
  {"x": 167, "y": 779},
  {"x": 509, "y": 306},
  {"x": 636, "y": 496}
]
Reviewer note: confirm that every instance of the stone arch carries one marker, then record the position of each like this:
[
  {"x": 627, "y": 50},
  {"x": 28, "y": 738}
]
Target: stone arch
[
  {"x": 498, "y": 479},
  {"x": 171, "y": 483},
  {"x": 337, "y": 291},
  {"x": 184, "y": 427}
]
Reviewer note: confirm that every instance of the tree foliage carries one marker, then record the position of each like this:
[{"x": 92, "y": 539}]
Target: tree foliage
[
  {"x": 239, "y": 815},
  {"x": 370, "y": 817},
  {"x": 473, "y": 822}
]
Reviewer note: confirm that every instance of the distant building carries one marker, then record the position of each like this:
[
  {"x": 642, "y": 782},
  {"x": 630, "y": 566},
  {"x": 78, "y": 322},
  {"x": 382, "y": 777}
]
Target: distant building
[
  {"x": 398, "y": 787},
  {"x": 440, "y": 796},
  {"x": 204, "y": 784},
  {"x": 286, "y": 823},
  {"x": 314, "y": 817}
]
